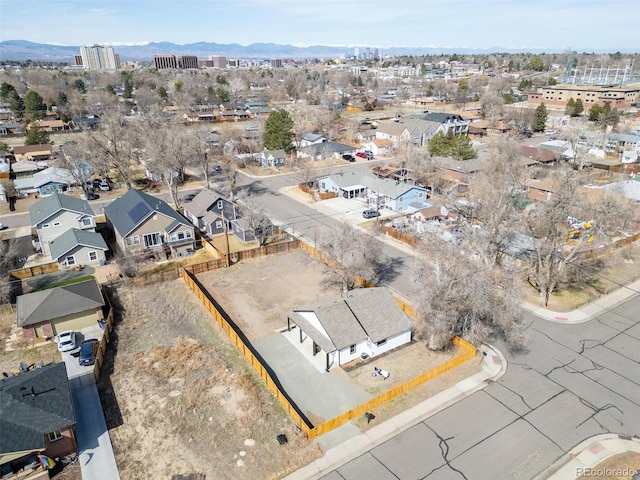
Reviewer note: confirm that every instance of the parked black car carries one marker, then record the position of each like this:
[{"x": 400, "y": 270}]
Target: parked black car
[
  {"x": 349, "y": 158},
  {"x": 88, "y": 352}
]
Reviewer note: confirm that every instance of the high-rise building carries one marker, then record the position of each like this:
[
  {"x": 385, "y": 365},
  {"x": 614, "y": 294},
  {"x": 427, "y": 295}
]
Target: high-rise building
[
  {"x": 219, "y": 61},
  {"x": 233, "y": 63},
  {"x": 78, "y": 60},
  {"x": 276, "y": 63},
  {"x": 187, "y": 61},
  {"x": 163, "y": 62},
  {"x": 99, "y": 57}
]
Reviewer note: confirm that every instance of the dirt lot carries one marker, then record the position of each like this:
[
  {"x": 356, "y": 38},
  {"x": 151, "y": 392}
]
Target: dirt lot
[
  {"x": 259, "y": 294},
  {"x": 171, "y": 376}
]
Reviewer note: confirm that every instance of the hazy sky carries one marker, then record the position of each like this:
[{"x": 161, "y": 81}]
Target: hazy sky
[{"x": 584, "y": 25}]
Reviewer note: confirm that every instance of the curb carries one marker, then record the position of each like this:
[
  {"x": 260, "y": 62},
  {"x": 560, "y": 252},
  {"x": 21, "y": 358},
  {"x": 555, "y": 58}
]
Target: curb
[
  {"x": 494, "y": 366},
  {"x": 589, "y": 311},
  {"x": 588, "y": 454}
]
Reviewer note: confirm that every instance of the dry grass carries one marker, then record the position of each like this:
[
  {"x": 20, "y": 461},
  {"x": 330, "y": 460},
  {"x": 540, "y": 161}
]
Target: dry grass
[
  {"x": 622, "y": 270},
  {"x": 177, "y": 377},
  {"x": 619, "y": 467},
  {"x": 45, "y": 352}
]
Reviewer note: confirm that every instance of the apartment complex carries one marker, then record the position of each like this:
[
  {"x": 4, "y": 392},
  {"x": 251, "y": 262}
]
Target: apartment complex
[
  {"x": 620, "y": 97},
  {"x": 99, "y": 57}
]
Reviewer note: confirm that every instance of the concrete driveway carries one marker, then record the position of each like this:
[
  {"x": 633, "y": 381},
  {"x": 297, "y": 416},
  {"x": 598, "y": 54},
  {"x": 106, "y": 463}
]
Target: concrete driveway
[
  {"x": 94, "y": 444},
  {"x": 320, "y": 395}
]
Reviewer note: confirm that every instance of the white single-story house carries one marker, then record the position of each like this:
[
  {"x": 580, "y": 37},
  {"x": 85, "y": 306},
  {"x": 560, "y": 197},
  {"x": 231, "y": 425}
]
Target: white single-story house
[
  {"x": 365, "y": 322},
  {"x": 386, "y": 193}
]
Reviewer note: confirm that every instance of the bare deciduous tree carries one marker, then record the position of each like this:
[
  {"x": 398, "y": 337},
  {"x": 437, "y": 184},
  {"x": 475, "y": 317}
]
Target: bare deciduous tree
[
  {"x": 116, "y": 144},
  {"x": 356, "y": 255},
  {"x": 9, "y": 250},
  {"x": 256, "y": 219},
  {"x": 461, "y": 295}
]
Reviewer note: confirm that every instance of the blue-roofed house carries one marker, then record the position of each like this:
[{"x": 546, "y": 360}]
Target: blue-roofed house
[
  {"x": 54, "y": 215},
  {"x": 143, "y": 223}
]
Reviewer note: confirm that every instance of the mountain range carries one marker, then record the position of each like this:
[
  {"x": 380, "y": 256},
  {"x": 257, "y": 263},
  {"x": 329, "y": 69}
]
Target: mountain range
[{"x": 21, "y": 50}]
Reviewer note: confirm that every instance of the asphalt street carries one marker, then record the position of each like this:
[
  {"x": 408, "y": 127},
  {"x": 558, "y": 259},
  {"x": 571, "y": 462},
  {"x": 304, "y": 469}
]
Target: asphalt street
[{"x": 576, "y": 381}]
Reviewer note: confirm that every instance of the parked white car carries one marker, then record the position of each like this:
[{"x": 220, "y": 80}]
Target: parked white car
[{"x": 67, "y": 341}]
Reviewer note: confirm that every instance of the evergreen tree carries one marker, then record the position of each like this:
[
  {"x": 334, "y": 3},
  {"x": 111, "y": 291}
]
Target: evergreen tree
[
  {"x": 16, "y": 104},
  {"x": 34, "y": 107},
  {"x": 539, "y": 118},
  {"x": 277, "y": 131},
  {"x": 458, "y": 147},
  {"x": 35, "y": 136},
  {"x": 570, "y": 108},
  {"x": 80, "y": 86},
  {"x": 6, "y": 90},
  {"x": 578, "y": 108}
]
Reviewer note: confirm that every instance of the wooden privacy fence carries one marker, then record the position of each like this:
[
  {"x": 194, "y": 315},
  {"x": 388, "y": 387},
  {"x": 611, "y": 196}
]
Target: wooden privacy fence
[
  {"x": 34, "y": 271},
  {"x": 314, "y": 431},
  {"x": 470, "y": 352},
  {"x": 408, "y": 239},
  {"x": 102, "y": 345},
  {"x": 248, "y": 352}
]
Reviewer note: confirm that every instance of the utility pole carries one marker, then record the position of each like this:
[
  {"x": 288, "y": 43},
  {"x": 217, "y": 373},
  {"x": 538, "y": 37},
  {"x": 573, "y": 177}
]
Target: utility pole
[{"x": 226, "y": 240}]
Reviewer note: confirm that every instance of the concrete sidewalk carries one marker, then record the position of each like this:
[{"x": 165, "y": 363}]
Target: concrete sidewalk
[
  {"x": 585, "y": 457},
  {"x": 494, "y": 366},
  {"x": 589, "y": 311}
]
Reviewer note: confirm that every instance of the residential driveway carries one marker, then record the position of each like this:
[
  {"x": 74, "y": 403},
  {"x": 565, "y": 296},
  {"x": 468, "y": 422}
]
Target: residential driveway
[
  {"x": 94, "y": 444},
  {"x": 320, "y": 396}
]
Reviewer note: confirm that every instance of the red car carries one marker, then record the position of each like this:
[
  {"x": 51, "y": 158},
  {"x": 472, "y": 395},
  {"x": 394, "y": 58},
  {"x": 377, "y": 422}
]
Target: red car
[{"x": 361, "y": 155}]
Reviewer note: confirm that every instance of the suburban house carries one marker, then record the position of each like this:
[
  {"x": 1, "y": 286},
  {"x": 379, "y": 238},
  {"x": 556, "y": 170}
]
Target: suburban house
[
  {"x": 47, "y": 181},
  {"x": 272, "y": 158},
  {"x": 33, "y": 152},
  {"x": 311, "y": 139},
  {"x": 11, "y": 129},
  {"x": 242, "y": 229},
  {"x": 56, "y": 214},
  {"x": 541, "y": 189},
  {"x": 378, "y": 146},
  {"x": 449, "y": 123},
  {"x": 36, "y": 418},
  {"x": 51, "y": 126},
  {"x": 78, "y": 247},
  {"x": 319, "y": 151},
  {"x": 207, "y": 210},
  {"x": 143, "y": 223},
  {"x": 365, "y": 322},
  {"x": 380, "y": 192},
  {"x": 87, "y": 122},
  {"x": 46, "y": 313}
]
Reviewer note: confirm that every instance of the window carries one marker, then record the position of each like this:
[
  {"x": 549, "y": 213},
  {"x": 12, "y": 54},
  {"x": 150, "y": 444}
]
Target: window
[
  {"x": 56, "y": 224},
  {"x": 151, "y": 239},
  {"x": 86, "y": 222},
  {"x": 220, "y": 205},
  {"x": 55, "y": 435},
  {"x": 133, "y": 240},
  {"x": 219, "y": 224},
  {"x": 352, "y": 349},
  {"x": 70, "y": 260},
  {"x": 381, "y": 342},
  {"x": 93, "y": 256},
  {"x": 45, "y": 225},
  {"x": 180, "y": 235}
]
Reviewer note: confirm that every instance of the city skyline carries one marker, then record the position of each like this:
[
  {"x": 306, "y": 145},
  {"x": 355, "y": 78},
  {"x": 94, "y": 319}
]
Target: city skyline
[{"x": 542, "y": 24}]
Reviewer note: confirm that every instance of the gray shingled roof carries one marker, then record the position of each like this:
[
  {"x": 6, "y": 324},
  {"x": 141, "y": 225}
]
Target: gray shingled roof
[
  {"x": 378, "y": 313},
  {"x": 57, "y": 302},
  {"x": 130, "y": 210},
  {"x": 52, "y": 204},
  {"x": 73, "y": 238},
  {"x": 33, "y": 404},
  {"x": 438, "y": 117},
  {"x": 362, "y": 313},
  {"x": 327, "y": 147},
  {"x": 202, "y": 202},
  {"x": 386, "y": 186}
]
